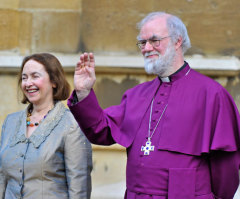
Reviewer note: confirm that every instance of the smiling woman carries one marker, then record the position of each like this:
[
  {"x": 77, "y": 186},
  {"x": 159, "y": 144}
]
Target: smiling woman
[
  {"x": 37, "y": 89},
  {"x": 36, "y": 84},
  {"x": 43, "y": 151}
]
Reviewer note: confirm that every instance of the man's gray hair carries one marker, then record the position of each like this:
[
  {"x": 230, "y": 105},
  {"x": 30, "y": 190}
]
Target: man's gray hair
[{"x": 176, "y": 28}]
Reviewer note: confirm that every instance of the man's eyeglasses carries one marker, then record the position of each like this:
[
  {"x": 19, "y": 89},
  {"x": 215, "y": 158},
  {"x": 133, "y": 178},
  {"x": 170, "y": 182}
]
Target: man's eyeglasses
[{"x": 154, "y": 42}]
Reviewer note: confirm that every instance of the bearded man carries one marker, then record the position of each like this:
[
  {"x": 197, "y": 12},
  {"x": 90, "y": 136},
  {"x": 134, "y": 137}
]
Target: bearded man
[{"x": 181, "y": 130}]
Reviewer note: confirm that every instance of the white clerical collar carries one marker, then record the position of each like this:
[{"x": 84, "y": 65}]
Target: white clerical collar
[{"x": 165, "y": 79}]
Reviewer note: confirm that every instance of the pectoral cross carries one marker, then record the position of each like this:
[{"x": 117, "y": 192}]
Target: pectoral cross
[{"x": 147, "y": 148}]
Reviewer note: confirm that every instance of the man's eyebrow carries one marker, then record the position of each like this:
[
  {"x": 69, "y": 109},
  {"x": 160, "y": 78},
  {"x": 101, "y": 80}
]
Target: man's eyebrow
[
  {"x": 154, "y": 37},
  {"x": 150, "y": 38}
]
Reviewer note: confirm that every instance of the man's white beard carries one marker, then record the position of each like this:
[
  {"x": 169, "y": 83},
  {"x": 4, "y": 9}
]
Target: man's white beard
[{"x": 161, "y": 66}]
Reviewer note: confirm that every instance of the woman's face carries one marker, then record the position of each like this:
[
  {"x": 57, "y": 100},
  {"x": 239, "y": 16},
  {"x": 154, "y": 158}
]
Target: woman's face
[{"x": 36, "y": 84}]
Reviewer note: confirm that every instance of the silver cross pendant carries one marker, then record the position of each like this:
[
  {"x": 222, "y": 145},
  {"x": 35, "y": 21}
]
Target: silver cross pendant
[{"x": 147, "y": 148}]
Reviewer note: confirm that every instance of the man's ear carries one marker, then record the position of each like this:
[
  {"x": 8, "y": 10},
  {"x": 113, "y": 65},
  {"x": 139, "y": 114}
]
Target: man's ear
[{"x": 178, "y": 43}]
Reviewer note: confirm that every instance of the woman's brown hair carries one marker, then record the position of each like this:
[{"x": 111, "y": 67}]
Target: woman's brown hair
[{"x": 55, "y": 72}]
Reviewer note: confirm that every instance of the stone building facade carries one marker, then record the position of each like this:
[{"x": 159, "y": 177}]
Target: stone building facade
[{"x": 108, "y": 28}]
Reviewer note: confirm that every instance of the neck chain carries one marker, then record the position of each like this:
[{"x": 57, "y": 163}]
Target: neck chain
[
  {"x": 148, "y": 147},
  {"x": 150, "y": 120}
]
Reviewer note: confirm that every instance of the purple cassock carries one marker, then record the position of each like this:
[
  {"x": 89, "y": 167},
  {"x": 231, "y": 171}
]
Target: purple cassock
[{"x": 181, "y": 134}]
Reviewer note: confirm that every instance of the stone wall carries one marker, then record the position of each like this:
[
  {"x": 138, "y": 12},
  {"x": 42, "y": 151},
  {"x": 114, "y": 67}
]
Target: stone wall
[
  {"x": 28, "y": 26},
  {"x": 109, "y": 26},
  {"x": 213, "y": 26}
]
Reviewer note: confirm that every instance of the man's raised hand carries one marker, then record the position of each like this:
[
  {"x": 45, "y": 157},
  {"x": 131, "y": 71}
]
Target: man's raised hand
[{"x": 84, "y": 76}]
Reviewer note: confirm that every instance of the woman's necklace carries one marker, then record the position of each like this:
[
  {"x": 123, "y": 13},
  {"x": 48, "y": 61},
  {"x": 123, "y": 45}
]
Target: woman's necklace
[
  {"x": 148, "y": 147},
  {"x": 28, "y": 120}
]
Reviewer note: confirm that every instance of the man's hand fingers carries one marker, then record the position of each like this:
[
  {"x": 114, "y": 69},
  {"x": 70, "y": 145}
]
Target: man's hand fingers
[{"x": 86, "y": 60}]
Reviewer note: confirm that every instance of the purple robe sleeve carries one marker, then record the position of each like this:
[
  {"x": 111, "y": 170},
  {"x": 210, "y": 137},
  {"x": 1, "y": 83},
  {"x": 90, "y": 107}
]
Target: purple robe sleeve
[
  {"x": 94, "y": 121},
  {"x": 224, "y": 168}
]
